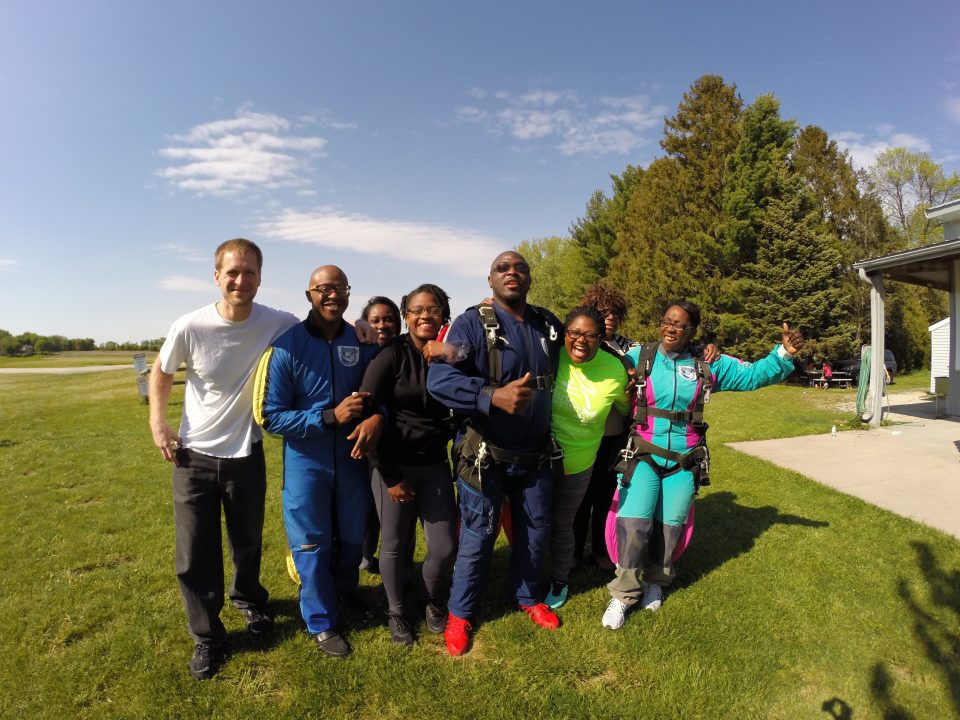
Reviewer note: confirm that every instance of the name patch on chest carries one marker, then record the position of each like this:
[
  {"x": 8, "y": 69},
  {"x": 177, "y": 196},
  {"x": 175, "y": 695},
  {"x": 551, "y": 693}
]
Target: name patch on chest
[
  {"x": 687, "y": 372},
  {"x": 349, "y": 355}
]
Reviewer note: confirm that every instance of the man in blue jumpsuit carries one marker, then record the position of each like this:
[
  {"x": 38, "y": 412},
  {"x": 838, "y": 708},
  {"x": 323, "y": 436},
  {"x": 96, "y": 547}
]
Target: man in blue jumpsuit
[
  {"x": 306, "y": 391},
  {"x": 506, "y": 449}
]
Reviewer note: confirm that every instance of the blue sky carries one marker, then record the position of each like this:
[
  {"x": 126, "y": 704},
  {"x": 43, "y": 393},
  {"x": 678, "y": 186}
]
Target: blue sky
[{"x": 406, "y": 142}]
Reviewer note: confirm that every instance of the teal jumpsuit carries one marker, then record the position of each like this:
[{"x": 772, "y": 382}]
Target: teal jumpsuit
[{"x": 654, "y": 505}]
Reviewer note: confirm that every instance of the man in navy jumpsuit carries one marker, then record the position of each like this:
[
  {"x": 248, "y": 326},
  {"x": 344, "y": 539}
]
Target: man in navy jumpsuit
[
  {"x": 306, "y": 391},
  {"x": 514, "y": 419}
]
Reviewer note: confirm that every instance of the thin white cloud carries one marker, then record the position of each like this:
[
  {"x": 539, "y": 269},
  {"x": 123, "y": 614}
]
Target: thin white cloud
[
  {"x": 458, "y": 250},
  {"x": 185, "y": 283},
  {"x": 7, "y": 263},
  {"x": 951, "y": 105},
  {"x": 574, "y": 125},
  {"x": 186, "y": 253},
  {"x": 252, "y": 151},
  {"x": 864, "y": 150}
]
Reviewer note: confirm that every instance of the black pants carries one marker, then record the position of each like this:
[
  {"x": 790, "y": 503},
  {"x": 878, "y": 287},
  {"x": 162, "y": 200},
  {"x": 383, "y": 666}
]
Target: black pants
[
  {"x": 201, "y": 484},
  {"x": 596, "y": 503}
]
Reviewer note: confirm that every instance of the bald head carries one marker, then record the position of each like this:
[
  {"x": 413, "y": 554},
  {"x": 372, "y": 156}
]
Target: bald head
[
  {"x": 328, "y": 275},
  {"x": 329, "y": 295}
]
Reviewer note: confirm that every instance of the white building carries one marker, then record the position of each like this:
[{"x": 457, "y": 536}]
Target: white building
[{"x": 939, "y": 351}]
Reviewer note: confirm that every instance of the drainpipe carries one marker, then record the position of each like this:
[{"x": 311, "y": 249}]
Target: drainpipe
[{"x": 877, "y": 312}]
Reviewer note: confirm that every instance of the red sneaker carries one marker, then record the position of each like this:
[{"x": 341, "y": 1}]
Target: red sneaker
[
  {"x": 457, "y": 635},
  {"x": 542, "y": 615}
]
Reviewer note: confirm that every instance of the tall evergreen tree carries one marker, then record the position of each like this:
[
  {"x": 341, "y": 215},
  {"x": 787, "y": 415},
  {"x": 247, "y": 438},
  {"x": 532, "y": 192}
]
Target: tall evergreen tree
[
  {"x": 796, "y": 275},
  {"x": 596, "y": 232},
  {"x": 674, "y": 216}
]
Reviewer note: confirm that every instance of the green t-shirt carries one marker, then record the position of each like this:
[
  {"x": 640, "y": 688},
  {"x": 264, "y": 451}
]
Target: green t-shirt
[{"x": 582, "y": 399}]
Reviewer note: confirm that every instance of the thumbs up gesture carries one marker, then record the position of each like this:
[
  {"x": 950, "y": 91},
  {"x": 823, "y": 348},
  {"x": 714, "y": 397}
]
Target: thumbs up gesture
[
  {"x": 514, "y": 396},
  {"x": 792, "y": 340}
]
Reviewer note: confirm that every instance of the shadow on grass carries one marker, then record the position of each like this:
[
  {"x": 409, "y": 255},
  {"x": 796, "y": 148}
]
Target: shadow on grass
[
  {"x": 725, "y": 530},
  {"x": 940, "y": 640}
]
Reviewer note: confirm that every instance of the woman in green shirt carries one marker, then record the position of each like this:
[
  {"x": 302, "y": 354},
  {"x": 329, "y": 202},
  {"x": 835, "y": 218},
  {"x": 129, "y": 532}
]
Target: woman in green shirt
[{"x": 590, "y": 382}]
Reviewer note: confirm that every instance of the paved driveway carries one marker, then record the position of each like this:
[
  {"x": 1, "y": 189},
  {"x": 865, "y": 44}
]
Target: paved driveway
[{"x": 912, "y": 469}]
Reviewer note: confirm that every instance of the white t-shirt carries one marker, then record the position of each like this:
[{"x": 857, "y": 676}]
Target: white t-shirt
[{"x": 221, "y": 357}]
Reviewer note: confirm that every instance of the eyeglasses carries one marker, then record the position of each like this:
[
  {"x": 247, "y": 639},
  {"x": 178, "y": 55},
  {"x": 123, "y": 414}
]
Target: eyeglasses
[
  {"x": 432, "y": 311},
  {"x": 588, "y": 336},
  {"x": 682, "y": 327},
  {"x": 327, "y": 290},
  {"x": 520, "y": 267}
]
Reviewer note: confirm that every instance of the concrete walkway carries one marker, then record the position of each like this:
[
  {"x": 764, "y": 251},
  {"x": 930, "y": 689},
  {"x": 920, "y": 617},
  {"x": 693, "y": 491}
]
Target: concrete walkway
[{"x": 912, "y": 469}]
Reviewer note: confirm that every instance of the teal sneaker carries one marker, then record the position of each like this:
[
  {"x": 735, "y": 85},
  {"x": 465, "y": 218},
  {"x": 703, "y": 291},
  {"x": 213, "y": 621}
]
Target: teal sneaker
[{"x": 557, "y": 595}]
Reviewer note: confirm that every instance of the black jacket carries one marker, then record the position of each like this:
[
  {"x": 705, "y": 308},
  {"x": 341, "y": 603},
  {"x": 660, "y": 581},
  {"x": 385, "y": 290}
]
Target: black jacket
[{"x": 418, "y": 427}]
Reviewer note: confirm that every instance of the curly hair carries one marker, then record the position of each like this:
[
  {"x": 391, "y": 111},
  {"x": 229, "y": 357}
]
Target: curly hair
[
  {"x": 606, "y": 300},
  {"x": 441, "y": 298}
]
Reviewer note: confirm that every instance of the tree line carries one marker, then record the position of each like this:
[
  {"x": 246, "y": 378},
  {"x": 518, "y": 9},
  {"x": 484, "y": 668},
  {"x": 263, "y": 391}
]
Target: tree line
[
  {"x": 13, "y": 345},
  {"x": 758, "y": 221}
]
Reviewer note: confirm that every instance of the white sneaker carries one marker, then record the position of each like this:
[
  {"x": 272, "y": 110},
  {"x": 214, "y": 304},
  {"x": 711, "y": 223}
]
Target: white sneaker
[
  {"x": 615, "y": 614},
  {"x": 652, "y": 597}
]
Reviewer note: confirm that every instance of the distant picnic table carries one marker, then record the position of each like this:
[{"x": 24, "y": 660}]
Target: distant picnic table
[{"x": 835, "y": 379}]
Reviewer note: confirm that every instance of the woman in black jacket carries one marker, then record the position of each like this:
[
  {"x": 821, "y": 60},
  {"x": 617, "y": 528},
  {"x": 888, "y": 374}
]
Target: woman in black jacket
[{"x": 411, "y": 470}]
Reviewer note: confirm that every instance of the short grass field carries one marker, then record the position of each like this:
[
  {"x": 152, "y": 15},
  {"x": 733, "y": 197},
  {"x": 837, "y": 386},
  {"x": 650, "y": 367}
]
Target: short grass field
[
  {"x": 794, "y": 601},
  {"x": 74, "y": 358}
]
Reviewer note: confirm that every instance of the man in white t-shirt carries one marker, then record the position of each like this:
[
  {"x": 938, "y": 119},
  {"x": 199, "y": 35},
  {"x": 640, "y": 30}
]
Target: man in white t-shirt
[{"x": 218, "y": 452}]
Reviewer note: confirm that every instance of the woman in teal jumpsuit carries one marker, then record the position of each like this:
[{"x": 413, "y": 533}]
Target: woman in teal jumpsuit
[{"x": 659, "y": 488}]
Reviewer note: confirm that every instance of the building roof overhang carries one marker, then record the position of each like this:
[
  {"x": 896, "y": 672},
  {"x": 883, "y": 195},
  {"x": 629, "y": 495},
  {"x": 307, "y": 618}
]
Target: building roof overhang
[{"x": 928, "y": 265}]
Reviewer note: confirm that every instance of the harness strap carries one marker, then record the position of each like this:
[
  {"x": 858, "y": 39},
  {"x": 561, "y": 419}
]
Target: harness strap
[
  {"x": 488, "y": 318},
  {"x": 491, "y": 328}
]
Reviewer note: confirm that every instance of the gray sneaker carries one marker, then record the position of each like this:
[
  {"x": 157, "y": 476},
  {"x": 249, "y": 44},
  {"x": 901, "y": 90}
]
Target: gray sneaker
[{"x": 652, "y": 597}]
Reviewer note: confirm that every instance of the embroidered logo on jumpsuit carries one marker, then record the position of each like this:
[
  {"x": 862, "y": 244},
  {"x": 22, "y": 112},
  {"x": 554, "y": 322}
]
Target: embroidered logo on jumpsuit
[
  {"x": 687, "y": 372},
  {"x": 349, "y": 355}
]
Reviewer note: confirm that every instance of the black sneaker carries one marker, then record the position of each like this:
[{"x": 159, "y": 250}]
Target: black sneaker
[
  {"x": 257, "y": 620},
  {"x": 333, "y": 643},
  {"x": 436, "y": 618},
  {"x": 400, "y": 631},
  {"x": 206, "y": 661}
]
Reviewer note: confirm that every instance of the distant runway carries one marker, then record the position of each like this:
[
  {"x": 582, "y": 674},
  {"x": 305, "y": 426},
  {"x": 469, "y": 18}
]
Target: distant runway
[{"x": 63, "y": 370}]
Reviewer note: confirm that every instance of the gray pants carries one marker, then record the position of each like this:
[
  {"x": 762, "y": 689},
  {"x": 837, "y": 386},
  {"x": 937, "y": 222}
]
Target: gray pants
[
  {"x": 434, "y": 504},
  {"x": 568, "y": 494},
  {"x": 645, "y": 553},
  {"x": 201, "y": 484}
]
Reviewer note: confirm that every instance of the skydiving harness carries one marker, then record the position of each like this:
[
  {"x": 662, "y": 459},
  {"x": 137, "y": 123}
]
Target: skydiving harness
[
  {"x": 639, "y": 450},
  {"x": 473, "y": 455}
]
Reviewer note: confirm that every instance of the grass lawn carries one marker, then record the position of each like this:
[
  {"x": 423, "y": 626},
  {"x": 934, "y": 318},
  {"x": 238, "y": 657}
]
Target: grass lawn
[
  {"x": 794, "y": 601},
  {"x": 75, "y": 358}
]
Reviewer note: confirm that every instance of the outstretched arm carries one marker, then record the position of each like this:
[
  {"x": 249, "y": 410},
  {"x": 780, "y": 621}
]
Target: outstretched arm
[{"x": 733, "y": 374}]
